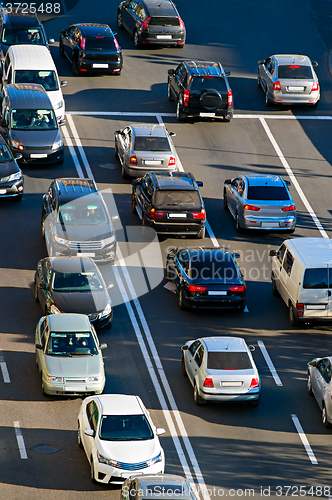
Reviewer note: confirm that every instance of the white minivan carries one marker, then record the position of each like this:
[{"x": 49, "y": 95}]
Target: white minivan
[
  {"x": 302, "y": 275},
  {"x": 34, "y": 64}
]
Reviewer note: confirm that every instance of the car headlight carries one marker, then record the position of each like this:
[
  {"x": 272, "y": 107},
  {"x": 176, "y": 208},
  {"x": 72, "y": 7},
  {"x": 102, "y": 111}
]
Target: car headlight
[
  {"x": 57, "y": 145},
  {"x": 54, "y": 309},
  {"x": 17, "y": 145},
  {"x": 96, "y": 378},
  {"x": 13, "y": 177},
  {"x": 107, "y": 310},
  {"x": 49, "y": 378},
  {"x": 108, "y": 241},
  {"x": 60, "y": 240},
  {"x": 154, "y": 460},
  {"x": 107, "y": 461},
  {"x": 59, "y": 105}
]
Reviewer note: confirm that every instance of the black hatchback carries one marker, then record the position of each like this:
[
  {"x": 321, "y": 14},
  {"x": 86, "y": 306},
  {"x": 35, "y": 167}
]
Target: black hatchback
[
  {"x": 206, "y": 277},
  {"x": 91, "y": 48},
  {"x": 152, "y": 22}
]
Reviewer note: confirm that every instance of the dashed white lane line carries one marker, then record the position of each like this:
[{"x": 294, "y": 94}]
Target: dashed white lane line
[
  {"x": 269, "y": 362},
  {"x": 4, "y": 370},
  {"x": 20, "y": 440},
  {"x": 304, "y": 440}
]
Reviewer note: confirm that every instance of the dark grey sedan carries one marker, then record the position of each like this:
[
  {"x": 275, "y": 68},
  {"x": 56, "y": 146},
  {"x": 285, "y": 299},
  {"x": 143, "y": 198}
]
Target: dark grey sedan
[
  {"x": 319, "y": 385},
  {"x": 260, "y": 202}
]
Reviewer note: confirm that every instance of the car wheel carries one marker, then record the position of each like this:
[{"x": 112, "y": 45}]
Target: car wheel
[
  {"x": 42, "y": 387},
  {"x": 181, "y": 300},
  {"x": 179, "y": 115},
  {"x": 201, "y": 234},
  {"x": 274, "y": 288},
  {"x": 145, "y": 231},
  {"x": 119, "y": 20},
  {"x": 116, "y": 152},
  {"x": 137, "y": 40},
  {"x": 197, "y": 398},
  {"x": 238, "y": 227},
  {"x": 325, "y": 421},
  {"x": 132, "y": 204},
  {"x": 267, "y": 99},
  {"x": 124, "y": 173},
  {"x": 183, "y": 367},
  {"x": 292, "y": 318},
  {"x": 61, "y": 51},
  {"x": 169, "y": 93},
  {"x": 74, "y": 68},
  {"x": 225, "y": 201},
  {"x": 309, "y": 385},
  {"x": 42, "y": 228},
  {"x": 92, "y": 471},
  {"x": 259, "y": 85},
  {"x": 35, "y": 292},
  {"x": 79, "y": 438}
]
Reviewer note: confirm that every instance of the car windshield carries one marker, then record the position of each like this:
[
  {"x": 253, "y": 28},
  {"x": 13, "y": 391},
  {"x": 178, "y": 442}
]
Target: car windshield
[
  {"x": 319, "y": 278},
  {"x": 71, "y": 344},
  {"x": 21, "y": 35},
  {"x": 125, "y": 428},
  {"x": 150, "y": 143},
  {"x": 178, "y": 198},
  {"x": 208, "y": 82},
  {"x": 81, "y": 214},
  {"x": 76, "y": 282},
  {"x": 5, "y": 154},
  {"x": 47, "y": 79},
  {"x": 295, "y": 71},
  {"x": 267, "y": 193},
  {"x": 100, "y": 43},
  {"x": 36, "y": 120},
  {"x": 216, "y": 265},
  {"x": 228, "y": 360}
]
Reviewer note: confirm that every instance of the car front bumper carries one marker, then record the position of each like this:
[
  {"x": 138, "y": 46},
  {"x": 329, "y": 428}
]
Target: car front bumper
[
  {"x": 106, "y": 254},
  {"x": 73, "y": 388},
  {"x": 107, "y": 474},
  {"x": 11, "y": 189},
  {"x": 44, "y": 156}
]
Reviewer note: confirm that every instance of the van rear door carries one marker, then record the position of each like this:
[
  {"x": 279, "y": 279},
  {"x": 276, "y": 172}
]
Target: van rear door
[{"x": 316, "y": 292}]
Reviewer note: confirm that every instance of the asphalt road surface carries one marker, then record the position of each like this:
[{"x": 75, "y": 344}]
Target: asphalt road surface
[{"x": 278, "y": 448}]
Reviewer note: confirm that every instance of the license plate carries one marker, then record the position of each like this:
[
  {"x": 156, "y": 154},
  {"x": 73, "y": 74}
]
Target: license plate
[
  {"x": 177, "y": 216},
  {"x": 207, "y": 114},
  {"x": 100, "y": 65},
  {"x": 3, "y": 191},
  {"x": 83, "y": 254},
  {"x": 217, "y": 293},
  {"x": 164, "y": 37},
  {"x": 317, "y": 307},
  {"x": 38, "y": 155},
  {"x": 270, "y": 224},
  {"x": 152, "y": 162},
  {"x": 295, "y": 89},
  {"x": 75, "y": 388},
  {"x": 231, "y": 384}
]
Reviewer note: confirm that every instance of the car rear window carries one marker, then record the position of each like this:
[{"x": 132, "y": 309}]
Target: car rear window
[
  {"x": 318, "y": 278},
  {"x": 208, "y": 82},
  {"x": 295, "y": 71},
  {"x": 164, "y": 21},
  {"x": 151, "y": 144},
  {"x": 100, "y": 43},
  {"x": 228, "y": 361},
  {"x": 266, "y": 193},
  {"x": 178, "y": 198},
  {"x": 212, "y": 268}
]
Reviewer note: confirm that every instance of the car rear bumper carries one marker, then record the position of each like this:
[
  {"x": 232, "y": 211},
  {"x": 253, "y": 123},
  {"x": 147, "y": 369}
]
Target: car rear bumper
[
  {"x": 221, "y": 302},
  {"x": 280, "y": 98},
  {"x": 231, "y": 397},
  {"x": 180, "y": 229},
  {"x": 265, "y": 223},
  {"x": 189, "y": 111},
  {"x": 176, "y": 38},
  {"x": 103, "y": 66},
  {"x": 140, "y": 171}
]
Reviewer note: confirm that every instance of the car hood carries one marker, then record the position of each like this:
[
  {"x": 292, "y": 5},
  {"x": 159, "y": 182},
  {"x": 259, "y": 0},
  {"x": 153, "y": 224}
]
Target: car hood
[
  {"x": 33, "y": 138},
  {"x": 76, "y": 366},
  {"x": 130, "y": 451},
  {"x": 84, "y": 232},
  {"x": 81, "y": 302},
  {"x": 9, "y": 168}
]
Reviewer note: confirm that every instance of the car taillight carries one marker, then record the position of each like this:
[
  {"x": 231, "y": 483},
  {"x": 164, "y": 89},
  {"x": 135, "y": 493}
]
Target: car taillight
[
  {"x": 181, "y": 23},
  {"x": 276, "y": 85},
  {"x": 146, "y": 22},
  {"x": 236, "y": 288},
  {"x": 199, "y": 215},
  {"x": 155, "y": 215},
  {"x": 186, "y": 95},
  {"x": 254, "y": 383},
  {"x": 82, "y": 44},
  {"x": 251, "y": 207},
  {"x": 299, "y": 308},
  {"x": 229, "y": 98},
  {"x": 117, "y": 46},
  {"x": 133, "y": 160},
  {"x": 171, "y": 161},
  {"x": 208, "y": 382},
  {"x": 315, "y": 87},
  {"x": 290, "y": 208},
  {"x": 196, "y": 288}
]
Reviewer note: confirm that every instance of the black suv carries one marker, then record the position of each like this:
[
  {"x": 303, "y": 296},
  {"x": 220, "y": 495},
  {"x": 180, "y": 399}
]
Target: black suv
[
  {"x": 200, "y": 89},
  {"x": 20, "y": 27},
  {"x": 75, "y": 221},
  {"x": 152, "y": 21},
  {"x": 169, "y": 203},
  {"x": 91, "y": 48}
]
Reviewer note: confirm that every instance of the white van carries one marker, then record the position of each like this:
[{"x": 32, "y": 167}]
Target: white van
[
  {"x": 34, "y": 64},
  {"x": 302, "y": 275}
]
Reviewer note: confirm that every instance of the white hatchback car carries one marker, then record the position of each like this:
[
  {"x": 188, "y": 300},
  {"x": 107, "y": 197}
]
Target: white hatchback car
[{"x": 119, "y": 438}]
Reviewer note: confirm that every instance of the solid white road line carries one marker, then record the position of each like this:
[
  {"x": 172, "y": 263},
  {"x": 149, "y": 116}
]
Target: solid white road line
[
  {"x": 72, "y": 151},
  {"x": 20, "y": 440},
  {"x": 269, "y": 363},
  {"x": 293, "y": 178},
  {"x": 80, "y": 147},
  {"x": 4, "y": 370},
  {"x": 304, "y": 439}
]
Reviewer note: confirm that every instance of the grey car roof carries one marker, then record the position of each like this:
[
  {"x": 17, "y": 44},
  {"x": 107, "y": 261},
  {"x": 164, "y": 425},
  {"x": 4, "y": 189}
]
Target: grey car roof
[
  {"x": 264, "y": 180},
  {"x": 232, "y": 344},
  {"x": 160, "y": 8},
  {"x": 28, "y": 96},
  {"x": 164, "y": 480},
  {"x": 149, "y": 129},
  {"x": 69, "y": 322},
  {"x": 292, "y": 59},
  {"x": 73, "y": 264}
]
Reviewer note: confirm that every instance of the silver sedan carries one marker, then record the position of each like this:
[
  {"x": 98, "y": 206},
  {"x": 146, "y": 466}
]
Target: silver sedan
[
  {"x": 221, "y": 369},
  {"x": 260, "y": 202},
  {"x": 319, "y": 385},
  {"x": 289, "y": 79},
  {"x": 145, "y": 148}
]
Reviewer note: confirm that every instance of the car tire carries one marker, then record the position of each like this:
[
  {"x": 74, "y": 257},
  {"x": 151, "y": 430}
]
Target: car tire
[
  {"x": 183, "y": 367},
  {"x": 292, "y": 318},
  {"x": 35, "y": 292},
  {"x": 119, "y": 20},
  {"x": 133, "y": 204},
  {"x": 92, "y": 471},
  {"x": 145, "y": 231},
  {"x": 238, "y": 227},
  {"x": 137, "y": 40},
  {"x": 169, "y": 93},
  {"x": 256, "y": 402},
  {"x": 197, "y": 398},
  {"x": 181, "y": 300},
  {"x": 116, "y": 152},
  {"x": 42, "y": 228},
  {"x": 201, "y": 234},
  {"x": 79, "y": 438},
  {"x": 61, "y": 51},
  {"x": 124, "y": 174},
  {"x": 42, "y": 387},
  {"x": 290, "y": 231},
  {"x": 179, "y": 114},
  {"x": 275, "y": 292},
  {"x": 225, "y": 201},
  {"x": 74, "y": 68},
  {"x": 325, "y": 421},
  {"x": 241, "y": 308},
  {"x": 259, "y": 85},
  {"x": 309, "y": 385},
  {"x": 268, "y": 102}
]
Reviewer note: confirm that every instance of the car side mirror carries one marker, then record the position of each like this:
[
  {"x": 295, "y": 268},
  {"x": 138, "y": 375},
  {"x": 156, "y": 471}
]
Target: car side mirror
[
  {"x": 313, "y": 363},
  {"x": 272, "y": 253},
  {"x": 261, "y": 62},
  {"x": 227, "y": 73},
  {"x": 5, "y": 82},
  {"x": 251, "y": 347},
  {"x": 114, "y": 33},
  {"x": 136, "y": 182},
  {"x": 89, "y": 432},
  {"x": 18, "y": 156},
  {"x": 62, "y": 123},
  {"x": 102, "y": 346},
  {"x": 236, "y": 255},
  {"x": 288, "y": 183},
  {"x": 314, "y": 63},
  {"x": 63, "y": 83},
  {"x": 199, "y": 183},
  {"x": 119, "y": 132},
  {"x": 171, "y": 71},
  {"x": 185, "y": 348},
  {"x": 39, "y": 346},
  {"x": 110, "y": 285},
  {"x": 160, "y": 431},
  {"x": 50, "y": 41},
  {"x": 228, "y": 181},
  {"x": 172, "y": 134}
]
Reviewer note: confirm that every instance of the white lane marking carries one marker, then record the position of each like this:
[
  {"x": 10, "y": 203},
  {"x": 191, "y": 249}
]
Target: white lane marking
[
  {"x": 72, "y": 152},
  {"x": 4, "y": 370},
  {"x": 304, "y": 439},
  {"x": 170, "y": 286},
  {"x": 80, "y": 147},
  {"x": 20, "y": 440},
  {"x": 246, "y": 310},
  {"x": 293, "y": 179},
  {"x": 214, "y": 240},
  {"x": 160, "y": 369},
  {"x": 269, "y": 362}
]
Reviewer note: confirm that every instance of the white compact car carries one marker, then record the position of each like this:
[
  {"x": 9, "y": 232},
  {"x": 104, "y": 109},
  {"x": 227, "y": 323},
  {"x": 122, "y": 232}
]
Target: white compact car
[{"x": 119, "y": 438}]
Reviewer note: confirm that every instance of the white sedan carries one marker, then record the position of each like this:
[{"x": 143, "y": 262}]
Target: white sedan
[{"x": 119, "y": 438}]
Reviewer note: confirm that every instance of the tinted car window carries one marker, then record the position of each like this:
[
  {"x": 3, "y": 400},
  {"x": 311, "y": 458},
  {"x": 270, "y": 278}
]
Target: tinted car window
[
  {"x": 18, "y": 36},
  {"x": 70, "y": 282},
  {"x": 223, "y": 268},
  {"x": 295, "y": 71},
  {"x": 180, "y": 198},
  {"x": 99, "y": 44},
  {"x": 208, "y": 82},
  {"x": 45, "y": 78},
  {"x": 267, "y": 193},
  {"x": 125, "y": 428},
  {"x": 228, "y": 361},
  {"x": 27, "y": 119},
  {"x": 318, "y": 278},
  {"x": 288, "y": 263},
  {"x": 151, "y": 144},
  {"x": 71, "y": 344},
  {"x": 164, "y": 21},
  {"x": 77, "y": 213},
  {"x": 5, "y": 153}
]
